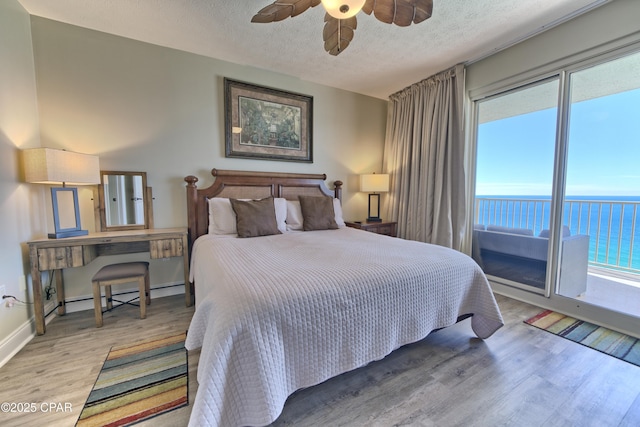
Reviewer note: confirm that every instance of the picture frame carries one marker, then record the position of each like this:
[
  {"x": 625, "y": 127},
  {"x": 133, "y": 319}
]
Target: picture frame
[{"x": 267, "y": 124}]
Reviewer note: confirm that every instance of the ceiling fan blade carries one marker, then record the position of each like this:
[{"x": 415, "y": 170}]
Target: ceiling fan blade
[
  {"x": 399, "y": 12},
  {"x": 282, "y": 9},
  {"x": 338, "y": 33},
  {"x": 423, "y": 11}
]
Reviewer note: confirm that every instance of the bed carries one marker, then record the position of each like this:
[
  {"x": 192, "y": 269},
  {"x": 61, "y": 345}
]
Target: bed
[{"x": 288, "y": 310}]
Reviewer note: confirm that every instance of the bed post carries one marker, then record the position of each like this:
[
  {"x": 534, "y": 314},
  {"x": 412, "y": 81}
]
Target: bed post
[
  {"x": 337, "y": 188},
  {"x": 192, "y": 214}
]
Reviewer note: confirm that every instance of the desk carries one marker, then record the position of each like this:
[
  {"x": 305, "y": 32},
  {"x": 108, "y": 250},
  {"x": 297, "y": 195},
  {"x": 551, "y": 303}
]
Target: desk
[{"x": 58, "y": 254}]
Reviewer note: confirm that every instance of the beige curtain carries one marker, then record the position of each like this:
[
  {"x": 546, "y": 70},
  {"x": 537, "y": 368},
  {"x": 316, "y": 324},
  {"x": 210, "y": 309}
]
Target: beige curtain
[{"x": 423, "y": 154}]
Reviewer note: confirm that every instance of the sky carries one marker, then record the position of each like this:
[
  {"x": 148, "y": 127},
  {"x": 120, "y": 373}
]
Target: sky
[{"x": 515, "y": 155}]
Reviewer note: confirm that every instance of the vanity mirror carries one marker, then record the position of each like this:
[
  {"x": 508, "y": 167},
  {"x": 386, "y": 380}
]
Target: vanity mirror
[{"x": 124, "y": 201}]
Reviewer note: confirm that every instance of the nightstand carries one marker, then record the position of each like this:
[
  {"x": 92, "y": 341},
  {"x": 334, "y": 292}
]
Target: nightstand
[{"x": 387, "y": 228}]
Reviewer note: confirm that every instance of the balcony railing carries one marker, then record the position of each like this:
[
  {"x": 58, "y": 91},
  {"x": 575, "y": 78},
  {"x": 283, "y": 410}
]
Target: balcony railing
[{"x": 613, "y": 225}]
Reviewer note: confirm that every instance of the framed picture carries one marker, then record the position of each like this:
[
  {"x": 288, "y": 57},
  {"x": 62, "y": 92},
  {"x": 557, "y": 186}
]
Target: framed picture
[{"x": 265, "y": 123}]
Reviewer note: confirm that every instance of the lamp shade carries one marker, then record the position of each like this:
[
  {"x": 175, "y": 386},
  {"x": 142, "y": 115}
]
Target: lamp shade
[
  {"x": 374, "y": 183},
  {"x": 343, "y": 9},
  {"x": 52, "y": 166}
]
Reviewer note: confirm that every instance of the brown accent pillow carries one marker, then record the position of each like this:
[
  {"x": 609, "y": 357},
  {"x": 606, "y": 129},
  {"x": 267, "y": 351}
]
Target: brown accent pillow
[
  {"x": 317, "y": 213},
  {"x": 255, "y": 217}
]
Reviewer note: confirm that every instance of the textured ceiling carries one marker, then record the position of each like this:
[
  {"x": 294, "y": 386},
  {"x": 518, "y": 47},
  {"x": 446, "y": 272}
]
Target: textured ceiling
[{"x": 380, "y": 60}]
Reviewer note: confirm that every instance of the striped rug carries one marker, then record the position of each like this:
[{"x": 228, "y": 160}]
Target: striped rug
[
  {"x": 139, "y": 381},
  {"x": 621, "y": 346}
]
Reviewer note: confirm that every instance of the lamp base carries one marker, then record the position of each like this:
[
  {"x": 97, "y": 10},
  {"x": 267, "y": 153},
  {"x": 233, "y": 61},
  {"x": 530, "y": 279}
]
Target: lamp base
[
  {"x": 72, "y": 233},
  {"x": 373, "y": 213}
]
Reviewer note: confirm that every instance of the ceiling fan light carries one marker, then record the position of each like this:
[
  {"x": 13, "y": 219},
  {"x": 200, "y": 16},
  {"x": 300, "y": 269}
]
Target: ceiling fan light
[{"x": 343, "y": 9}]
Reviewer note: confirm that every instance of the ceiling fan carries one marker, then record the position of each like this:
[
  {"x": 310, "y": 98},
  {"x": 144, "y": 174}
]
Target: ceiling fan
[{"x": 340, "y": 20}]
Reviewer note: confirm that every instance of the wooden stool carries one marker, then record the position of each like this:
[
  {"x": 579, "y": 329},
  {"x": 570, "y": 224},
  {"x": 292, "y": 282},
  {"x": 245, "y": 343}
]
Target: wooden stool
[{"x": 116, "y": 274}]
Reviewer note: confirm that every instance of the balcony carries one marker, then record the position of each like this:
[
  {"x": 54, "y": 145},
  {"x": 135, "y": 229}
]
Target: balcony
[{"x": 613, "y": 227}]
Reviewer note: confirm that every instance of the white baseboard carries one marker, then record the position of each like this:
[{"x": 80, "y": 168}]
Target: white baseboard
[
  {"x": 25, "y": 333},
  {"x": 20, "y": 337}
]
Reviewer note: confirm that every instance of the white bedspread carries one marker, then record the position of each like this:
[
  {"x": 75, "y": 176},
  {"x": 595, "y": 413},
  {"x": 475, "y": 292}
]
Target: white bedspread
[{"x": 290, "y": 311}]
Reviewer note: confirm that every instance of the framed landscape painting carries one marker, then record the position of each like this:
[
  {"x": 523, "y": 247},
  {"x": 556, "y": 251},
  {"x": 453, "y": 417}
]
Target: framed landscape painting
[{"x": 266, "y": 123}]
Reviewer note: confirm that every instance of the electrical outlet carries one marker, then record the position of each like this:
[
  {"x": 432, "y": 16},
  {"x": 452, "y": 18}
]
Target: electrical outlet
[
  {"x": 8, "y": 302},
  {"x": 22, "y": 281}
]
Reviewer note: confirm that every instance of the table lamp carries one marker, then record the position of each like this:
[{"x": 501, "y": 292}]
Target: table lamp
[
  {"x": 52, "y": 166},
  {"x": 374, "y": 184}
]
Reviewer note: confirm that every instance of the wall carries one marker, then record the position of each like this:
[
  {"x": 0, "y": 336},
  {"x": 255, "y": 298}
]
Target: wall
[
  {"x": 21, "y": 205},
  {"x": 615, "y": 20},
  {"x": 142, "y": 107}
]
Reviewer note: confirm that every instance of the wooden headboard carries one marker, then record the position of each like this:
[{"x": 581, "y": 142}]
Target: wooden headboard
[{"x": 249, "y": 185}]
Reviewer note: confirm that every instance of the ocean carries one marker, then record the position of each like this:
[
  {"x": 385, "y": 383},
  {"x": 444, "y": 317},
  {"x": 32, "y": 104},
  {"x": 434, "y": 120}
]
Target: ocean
[{"x": 612, "y": 222}]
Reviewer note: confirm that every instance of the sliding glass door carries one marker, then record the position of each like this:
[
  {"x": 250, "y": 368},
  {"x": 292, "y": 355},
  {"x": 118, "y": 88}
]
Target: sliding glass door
[
  {"x": 516, "y": 137},
  {"x": 557, "y": 188},
  {"x": 600, "y": 260}
]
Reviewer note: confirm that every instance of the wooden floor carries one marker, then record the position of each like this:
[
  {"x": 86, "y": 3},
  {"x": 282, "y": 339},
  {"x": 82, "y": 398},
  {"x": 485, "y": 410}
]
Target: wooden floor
[{"x": 521, "y": 376}]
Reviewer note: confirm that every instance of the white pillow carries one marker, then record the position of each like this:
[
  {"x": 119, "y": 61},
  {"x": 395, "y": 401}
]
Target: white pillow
[
  {"x": 294, "y": 214},
  {"x": 280, "y": 205},
  {"x": 337, "y": 209},
  {"x": 222, "y": 218}
]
